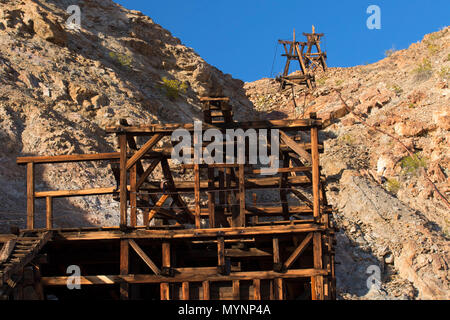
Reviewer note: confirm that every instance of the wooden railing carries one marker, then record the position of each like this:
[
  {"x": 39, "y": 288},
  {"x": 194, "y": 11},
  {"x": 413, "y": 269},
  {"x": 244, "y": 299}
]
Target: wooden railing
[{"x": 32, "y": 194}]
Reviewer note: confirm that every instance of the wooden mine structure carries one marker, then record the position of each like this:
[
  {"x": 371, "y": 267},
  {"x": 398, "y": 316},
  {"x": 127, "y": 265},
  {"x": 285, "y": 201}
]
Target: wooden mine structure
[
  {"x": 308, "y": 60},
  {"x": 228, "y": 243}
]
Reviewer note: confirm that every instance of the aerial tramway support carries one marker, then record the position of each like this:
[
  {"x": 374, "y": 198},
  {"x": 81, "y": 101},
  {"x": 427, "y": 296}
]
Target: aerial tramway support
[{"x": 309, "y": 61}]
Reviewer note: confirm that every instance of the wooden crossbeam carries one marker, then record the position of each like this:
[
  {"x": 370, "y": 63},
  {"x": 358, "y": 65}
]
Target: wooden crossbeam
[
  {"x": 144, "y": 257},
  {"x": 143, "y": 150},
  {"x": 147, "y": 172},
  {"x": 157, "y": 206},
  {"x": 298, "y": 251},
  {"x": 295, "y": 147}
]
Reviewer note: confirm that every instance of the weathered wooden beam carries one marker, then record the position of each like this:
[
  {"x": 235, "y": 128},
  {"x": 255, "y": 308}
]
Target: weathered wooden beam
[
  {"x": 191, "y": 277},
  {"x": 49, "y": 212},
  {"x": 295, "y": 147},
  {"x": 144, "y": 257},
  {"x": 124, "y": 269},
  {"x": 191, "y": 233},
  {"x": 147, "y": 172},
  {"x": 185, "y": 290},
  {"x": 317, "y": 257},
  {"x": 276, "y": 254},
  {"x": 236, "y": 290},
  {"x": 206, "y": 290},
  {"x": 69, "y": 158},
  {"x": 221, "y": 255},
  {"x": 315, "y": 172},
  {"x": 197, "y": 195},
  {"x": 167, "y": 129},
  {"x": 76, "y": 193},
  {"x": 123, "y": 180},
  {"x": 256, "y": 289},
  {"x": 133, "y": 196},
  {"x": 30, "y": 195},
  {"x": 298, "y": 251},
  {"x": 143, "y": 150}
]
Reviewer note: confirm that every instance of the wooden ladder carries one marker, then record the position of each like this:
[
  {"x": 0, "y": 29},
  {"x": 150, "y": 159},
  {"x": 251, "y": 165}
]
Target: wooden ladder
[{"x": 19, "y": 252}]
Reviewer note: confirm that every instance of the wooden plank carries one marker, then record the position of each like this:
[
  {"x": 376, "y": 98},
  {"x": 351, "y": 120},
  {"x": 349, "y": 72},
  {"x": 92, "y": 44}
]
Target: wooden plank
[
  {"x": 206, "y": 290},
  {"x": 124, "y": 269},
  {"x": 76, "y": 193},
  {"x": 197, "y": 195},
  {"x": 250, "y": 183},
  {"x": 276, "y": 254},
  {"x": 236, "y": 290},
  {"x": 123, "y": 180},
  {"x": 30, "y": 195},
  {"x": 221, "y": 255},
  {"x": 185, "y": 290},
  {"x": 6, "y": 250},
  {"x": 283, "y": 187},
  {"x": 166, "y": 254},
  {"x": 298, "y": 251},
  {"x": 192, "y": 233},
  {"x": 295, "y": 147},
  {"x": 49, "y": 212},
  {"x": 144, "y": 257},
  {"x": 143, "y": 150},
  {"x": 256, "y": 289},
  {"x": 147, "y": 172},
  {"x": 167, "y": 129},
  {"x": 133, "y": 196},
  {"x": 157, "y": 206},
  {"x": 191, "y": 277},
  {"x": 315, "y": 172},
  {"x": 317, "y": 248},
  {"x": 278, "y": 288},
  {"x": 165, "y": 291},
  {"x": 69, "y": 158}
]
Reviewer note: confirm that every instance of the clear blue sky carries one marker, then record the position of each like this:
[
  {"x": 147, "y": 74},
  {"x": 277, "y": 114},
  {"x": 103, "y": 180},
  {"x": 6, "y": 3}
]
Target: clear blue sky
[{"x": 240, "y": 37}]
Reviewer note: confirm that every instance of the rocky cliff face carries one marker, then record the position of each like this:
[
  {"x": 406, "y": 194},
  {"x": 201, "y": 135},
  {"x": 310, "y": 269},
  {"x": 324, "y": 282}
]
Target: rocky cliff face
[
  {"x": 59, "y": 87},
  {"x": 388, "y": 213}
]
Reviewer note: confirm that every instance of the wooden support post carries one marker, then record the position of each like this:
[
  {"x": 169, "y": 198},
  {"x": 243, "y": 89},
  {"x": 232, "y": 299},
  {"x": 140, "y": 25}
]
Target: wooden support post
[
  {"x": 124, "y": 268},
  {"x": 236, "y": 290},
  {"x": 257, "y": 289},
  {"x": 197, "y": 195},
  {"x": 283, "y": 186},
  {"x": 133, "y": 196},
  {"x": 221, "y": 255},
  {"x": 30, "y": 195},
  {"x": 318, "y": 264},
  {"x": 211, "y": 199},
  {"x": 49, "y": 212},
  {"x": 206, "y": 290},
  {"x": 164, "y": 291},
  {"x": 315, "y": 171},
  {"x": 276, "y": 255},
  {"x": 166, "y": 270},
  {"x": 123, "y": 180},
  {"x": 278, "y": 288},
  {"x": 241, "y": 196},
  {"x": 185, "y": 291}
]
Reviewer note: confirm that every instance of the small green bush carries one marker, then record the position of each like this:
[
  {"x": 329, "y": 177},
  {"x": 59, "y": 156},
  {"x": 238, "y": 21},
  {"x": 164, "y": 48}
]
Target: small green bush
[
  {"x": 444, "y": 73},
  {"x": 321, "y": 81},
  {"x": 339, "y": 82},
  {"x": 393, "y": 185},
  {"x": 389, "y": 52},
  {"x": 411, "y": 164},
  {"x": 121, "y": 59},
  {"x": 173, "y": 88},
  {"x": 398, "y": 90},
  {"x": 424, "y": 70},
  {"x": 347, "y": 138}
]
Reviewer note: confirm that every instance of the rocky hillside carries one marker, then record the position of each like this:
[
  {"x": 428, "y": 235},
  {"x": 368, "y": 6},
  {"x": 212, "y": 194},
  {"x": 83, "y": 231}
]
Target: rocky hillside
[
  {"x": 60, "y": 86},
  {"x": 388, "y": 213}
]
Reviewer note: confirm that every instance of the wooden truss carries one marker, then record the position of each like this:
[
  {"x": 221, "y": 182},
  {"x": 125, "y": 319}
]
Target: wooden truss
[
  {"x": 308, "y": 60},
  {"x": 196, "y": 230}
]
